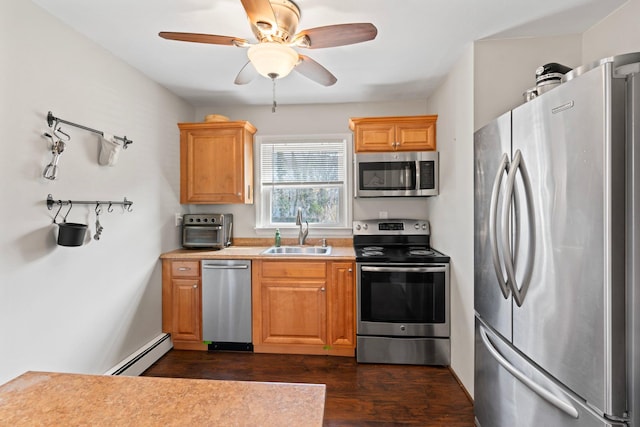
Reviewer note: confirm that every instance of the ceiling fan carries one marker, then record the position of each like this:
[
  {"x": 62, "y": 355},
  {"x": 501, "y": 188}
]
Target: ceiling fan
[{"x": 274, "y": 23}]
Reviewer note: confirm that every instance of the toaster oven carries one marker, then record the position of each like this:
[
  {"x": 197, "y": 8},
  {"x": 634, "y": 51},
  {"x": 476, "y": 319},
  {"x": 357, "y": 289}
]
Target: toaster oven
[{"x": 206, "y": 231}]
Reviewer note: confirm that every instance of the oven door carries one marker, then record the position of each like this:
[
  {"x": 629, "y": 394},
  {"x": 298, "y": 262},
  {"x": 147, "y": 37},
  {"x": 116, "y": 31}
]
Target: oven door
[
  {"x": 203, "y": 236},
  {"x": 408, "y": 300}
]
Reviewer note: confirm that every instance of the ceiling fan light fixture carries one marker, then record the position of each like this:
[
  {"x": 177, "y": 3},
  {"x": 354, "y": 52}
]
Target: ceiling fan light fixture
[{"x": 273, "y": 60}]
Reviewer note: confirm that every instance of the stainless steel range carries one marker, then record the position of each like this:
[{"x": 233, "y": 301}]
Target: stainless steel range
[{"x": 402, "y": 294}]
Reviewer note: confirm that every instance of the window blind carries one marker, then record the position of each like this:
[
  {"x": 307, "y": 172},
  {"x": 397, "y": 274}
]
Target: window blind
[{"x": 291, "y": 163}]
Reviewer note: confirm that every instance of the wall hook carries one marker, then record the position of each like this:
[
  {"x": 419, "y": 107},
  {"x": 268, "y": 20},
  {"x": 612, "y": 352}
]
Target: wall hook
[
  {"x": 56, "y": 216},
  {"x": 65, "y": 216}
]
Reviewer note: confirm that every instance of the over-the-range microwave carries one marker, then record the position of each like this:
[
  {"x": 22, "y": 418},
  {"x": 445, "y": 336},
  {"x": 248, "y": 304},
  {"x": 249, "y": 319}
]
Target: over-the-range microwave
[{"x": 396, "y": 174}]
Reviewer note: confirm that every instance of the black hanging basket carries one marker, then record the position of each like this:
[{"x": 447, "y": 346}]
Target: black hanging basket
[{"x": 71, "y": 234}]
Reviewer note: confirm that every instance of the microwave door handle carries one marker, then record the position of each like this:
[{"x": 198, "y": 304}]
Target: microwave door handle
[
  {"x": 493, "y": 219},
  {"x": 547, "y": 395}
]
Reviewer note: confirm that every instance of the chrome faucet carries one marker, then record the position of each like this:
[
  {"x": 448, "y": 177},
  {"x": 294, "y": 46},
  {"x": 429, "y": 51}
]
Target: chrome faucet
[{"x": 302, "y": 235}]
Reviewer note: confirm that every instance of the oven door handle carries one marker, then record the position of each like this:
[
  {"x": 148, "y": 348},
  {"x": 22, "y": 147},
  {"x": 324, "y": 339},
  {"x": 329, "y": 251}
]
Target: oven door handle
[
  {"x": 437, "y": 268},
  {"x": 204, "y": 227}
]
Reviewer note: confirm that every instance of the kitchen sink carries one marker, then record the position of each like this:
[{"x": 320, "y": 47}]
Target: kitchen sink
[{"x": 297, "y": 250}]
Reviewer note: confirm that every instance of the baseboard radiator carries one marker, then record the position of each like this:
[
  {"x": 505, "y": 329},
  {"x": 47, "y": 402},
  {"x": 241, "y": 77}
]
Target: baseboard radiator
[{"x": 142, "y": 359}]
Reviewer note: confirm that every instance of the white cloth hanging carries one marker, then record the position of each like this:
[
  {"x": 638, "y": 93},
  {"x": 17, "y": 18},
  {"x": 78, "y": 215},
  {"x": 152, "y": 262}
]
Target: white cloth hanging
[{"x": 109, "y": 150}]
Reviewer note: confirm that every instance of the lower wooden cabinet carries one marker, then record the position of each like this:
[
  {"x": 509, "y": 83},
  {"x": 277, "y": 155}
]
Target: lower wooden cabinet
[
  {"x": 342, "y": 305},
  {"x": 182, "y": 303},
  {"x": 298, "y": 307},
  {"x": 303, "y": 307}
]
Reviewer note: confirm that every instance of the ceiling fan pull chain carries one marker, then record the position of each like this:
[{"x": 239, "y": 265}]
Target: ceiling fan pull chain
[{"x": 273, "y": 107}]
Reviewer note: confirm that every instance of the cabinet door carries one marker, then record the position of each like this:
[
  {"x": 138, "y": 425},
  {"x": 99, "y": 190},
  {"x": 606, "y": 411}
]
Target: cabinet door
[
  {"x": 416, "y": 136},
  {"x": 212, "y": 166},
  {"x": 341, "y": 305},
  {"x": 374, "y": 137},
  {"x": 293, "y": 312},
  {"x": 186, "y": 310}
]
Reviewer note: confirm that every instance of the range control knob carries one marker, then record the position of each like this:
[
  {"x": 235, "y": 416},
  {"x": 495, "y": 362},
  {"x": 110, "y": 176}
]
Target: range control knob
[
  {"x": 417, "y": 226},
  {"x": 190, "y": 219},
  {"x": 365, "y": 226},
  {"x": 358, "y": 227}
]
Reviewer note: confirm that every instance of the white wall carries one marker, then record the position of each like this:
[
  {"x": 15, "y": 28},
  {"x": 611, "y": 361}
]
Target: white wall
[
  {"x": 80, "y": 309},
  {"x": 615, "y": 35},
  {"x": 505, "y": 69},
  {"x": 451, "y": 213},
  {"x": 309, "y": 120}
]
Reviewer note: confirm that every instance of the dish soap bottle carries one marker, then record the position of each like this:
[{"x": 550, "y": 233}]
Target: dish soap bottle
[{"x": 277, "y": 237}]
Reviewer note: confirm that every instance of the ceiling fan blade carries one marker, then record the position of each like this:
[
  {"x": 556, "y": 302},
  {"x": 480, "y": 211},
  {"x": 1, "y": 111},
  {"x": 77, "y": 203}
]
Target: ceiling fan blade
[
  {"x": 204, "y": 38},
  {"x": 335, "y": 35},
  {"x": 260, "y": 14},
  {"x": 314, "y": 71},
  {"x": 246, "y": 74}
]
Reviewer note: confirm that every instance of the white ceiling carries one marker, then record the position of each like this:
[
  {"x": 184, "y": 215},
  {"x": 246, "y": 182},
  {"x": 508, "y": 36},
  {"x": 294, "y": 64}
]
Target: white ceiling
[{"x": 418, "y": 42}]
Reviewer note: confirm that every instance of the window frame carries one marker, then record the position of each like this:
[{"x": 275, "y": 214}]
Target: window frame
[{"x": 263, "y": 216}]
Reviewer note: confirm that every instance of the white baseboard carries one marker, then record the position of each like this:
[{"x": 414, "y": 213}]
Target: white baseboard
[{"x": 144, "y": 357}]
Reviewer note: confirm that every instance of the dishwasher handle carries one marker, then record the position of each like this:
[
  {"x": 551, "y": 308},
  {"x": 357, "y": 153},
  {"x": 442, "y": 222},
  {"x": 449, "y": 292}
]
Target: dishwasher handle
[{"x": 224, "y": 267}]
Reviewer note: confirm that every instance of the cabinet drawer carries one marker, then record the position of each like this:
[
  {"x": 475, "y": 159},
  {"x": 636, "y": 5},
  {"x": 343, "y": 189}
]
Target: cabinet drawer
[
  {"x": 298, "y": 269},
  {"x": 185, "y": 268}
]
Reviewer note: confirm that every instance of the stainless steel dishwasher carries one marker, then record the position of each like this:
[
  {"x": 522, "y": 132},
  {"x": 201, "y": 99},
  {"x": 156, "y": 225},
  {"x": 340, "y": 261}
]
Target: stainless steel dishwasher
[{"x": 226, "y": 304}]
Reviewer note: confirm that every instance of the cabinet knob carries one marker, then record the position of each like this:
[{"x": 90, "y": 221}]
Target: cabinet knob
[
  {"x": 350, "y": 270},
  {"x": 195, "y": 286},
  {"x": 322, "y": 289},
  {"x": 184, "y": 268}
]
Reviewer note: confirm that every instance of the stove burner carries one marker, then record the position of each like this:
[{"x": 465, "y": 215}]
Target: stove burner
[
  {"x": 420, "y": 252},
  {"x": 372, "y": 248}
]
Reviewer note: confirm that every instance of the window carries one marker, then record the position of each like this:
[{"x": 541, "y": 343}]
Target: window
[{"x": 308, "y": 172}]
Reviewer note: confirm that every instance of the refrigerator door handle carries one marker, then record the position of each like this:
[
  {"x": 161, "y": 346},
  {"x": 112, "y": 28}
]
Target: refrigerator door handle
[
  {"x": 493, "y": 219},
  {"x": 519, "y": 292},
  {"x": 554, "y": 400}
]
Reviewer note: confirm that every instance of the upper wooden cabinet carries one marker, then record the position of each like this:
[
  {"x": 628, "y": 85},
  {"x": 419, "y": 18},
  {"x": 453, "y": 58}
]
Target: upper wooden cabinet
[
  {"x": 407, "y": 133},
  {"x": 216, "y": 162}
]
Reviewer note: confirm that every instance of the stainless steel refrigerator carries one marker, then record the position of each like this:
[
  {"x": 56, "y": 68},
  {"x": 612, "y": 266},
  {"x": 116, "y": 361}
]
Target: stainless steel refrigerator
[{"x": 557, "y": 255}]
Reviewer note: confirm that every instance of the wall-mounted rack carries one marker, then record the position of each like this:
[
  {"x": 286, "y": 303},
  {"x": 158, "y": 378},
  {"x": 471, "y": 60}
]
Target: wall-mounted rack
[
  {"x": 126, "y": 204},
  {"x": 51, "y": 119}
]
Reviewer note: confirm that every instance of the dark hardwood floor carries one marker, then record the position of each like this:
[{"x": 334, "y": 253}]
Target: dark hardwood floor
[{"x": 357, "y": 394}]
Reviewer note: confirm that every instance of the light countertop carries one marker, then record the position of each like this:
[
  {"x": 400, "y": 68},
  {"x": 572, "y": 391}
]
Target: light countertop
[
  {"x": 252, "y": 252},
  {"x": 57, "y": 399}
]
